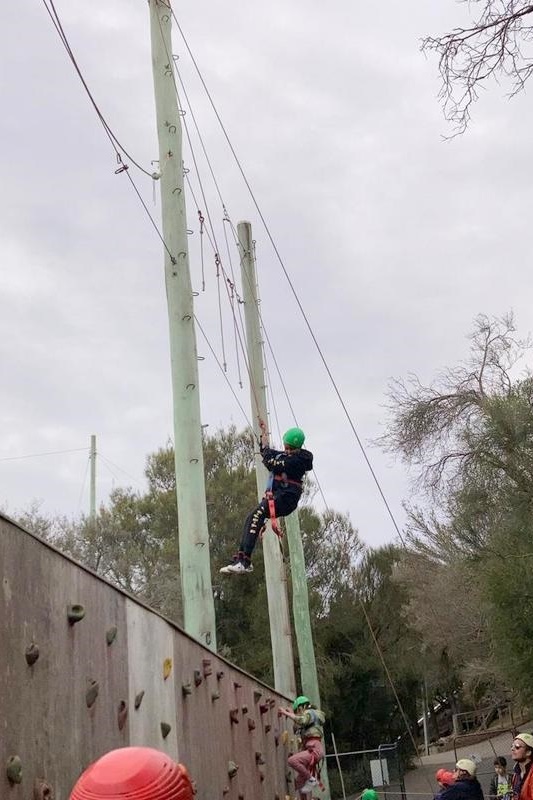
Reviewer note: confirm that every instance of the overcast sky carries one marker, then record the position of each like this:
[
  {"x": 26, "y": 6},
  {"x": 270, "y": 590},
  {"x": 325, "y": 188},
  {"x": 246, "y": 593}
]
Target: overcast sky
[{"x": 394, "y": 239}]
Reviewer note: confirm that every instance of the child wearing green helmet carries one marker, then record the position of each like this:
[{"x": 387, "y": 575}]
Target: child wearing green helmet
[
  {"x": 308, "y": 725},
  {"x": 287, "y": 468}
]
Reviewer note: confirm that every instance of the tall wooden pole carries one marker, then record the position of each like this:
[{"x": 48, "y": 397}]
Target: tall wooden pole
[
  {"x": 302, "y": 623},
  {"x": 300, "y": 611},
  {"x": 195, "y": 568},
  {"x": 92, "y": 488},
  {"x": 276, "y": 580}
]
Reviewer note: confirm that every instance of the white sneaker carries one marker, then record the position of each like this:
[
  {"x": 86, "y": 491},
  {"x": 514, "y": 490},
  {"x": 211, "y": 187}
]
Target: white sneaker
[
  {"x": 309, "y": 785},
  {"x": 237, "y": 567}
]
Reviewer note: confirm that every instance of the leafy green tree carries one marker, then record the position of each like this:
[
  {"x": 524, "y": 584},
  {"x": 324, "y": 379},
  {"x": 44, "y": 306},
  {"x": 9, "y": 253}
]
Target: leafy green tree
[{"x": 469, "y": 435}]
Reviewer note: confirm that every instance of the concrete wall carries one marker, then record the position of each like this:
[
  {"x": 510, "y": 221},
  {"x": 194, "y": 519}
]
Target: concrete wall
[{"x": 46, "y": 716}]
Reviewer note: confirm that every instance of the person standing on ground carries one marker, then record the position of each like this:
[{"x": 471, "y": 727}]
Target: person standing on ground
[
  {"x": 500, "y": 785},
  {"x": 287, "y": 468},
  {"x": 522, "y": 754},
  {"x": 465, "y": 786},
  {"x": 444, "y": 778},
  {"x": 308, "y": 725}
]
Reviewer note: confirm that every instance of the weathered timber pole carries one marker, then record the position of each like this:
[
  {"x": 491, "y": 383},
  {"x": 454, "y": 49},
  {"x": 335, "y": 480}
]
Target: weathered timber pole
[
  {"x": 195, "y": 568},
  {"x": 276, "y": 580}
]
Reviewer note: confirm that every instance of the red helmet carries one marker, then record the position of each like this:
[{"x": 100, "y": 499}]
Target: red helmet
[
  {"x": 135, "y": 773},
  {"x": 445, "y": 777}
]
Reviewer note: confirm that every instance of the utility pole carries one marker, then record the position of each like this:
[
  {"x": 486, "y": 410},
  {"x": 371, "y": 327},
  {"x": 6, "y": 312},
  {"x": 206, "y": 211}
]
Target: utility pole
[
  {"x": 300, "y": 610},
  {"x": 276, "y": 580},
  {"x": 92, "y": 491},
  {"x": 195, "y": 567}
]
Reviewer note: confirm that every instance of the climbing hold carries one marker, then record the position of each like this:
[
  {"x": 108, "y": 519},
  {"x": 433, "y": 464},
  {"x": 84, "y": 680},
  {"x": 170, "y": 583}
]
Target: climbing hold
[
  {"x": 236, "y": 685},
  {"x": 208, "y": 669},
  {"x": 233, "y": 768},
  {"x": 167, "y": 668},
  {"x": 14, "y": 769},
  {"x": 93, "y": 687},
  {"x": 285, "y": 737},
  {"x": 240, "y": 797},
  {"x": 267, "y": 728},
  {"x": 234, "y": 716},
  {"x": 31, "y": 654},
  {"x": 197, "y": 677},
  {"x": 220, "y": 674},
  {"x": 122, "y": 714},
  {"x": 111, "y": 635},
  {"x": 251, "y": 724},
  {"x": 276, "y": 740},
  {"x": 225, "y": 790},
  {"x": 75, "y": 613},
  {"x": 244, "y": 709},
  {"x": 271, "y": 702},
  {"x": 215, "y": 696},
  {"x": 138, "y": 699},
  {"x": 263, "y": 708},
  {"x": 42, "y": 790},
  {"x": 186, "y": 689},
  {"x": 165, "y": 729},
  {"x": 261, "y": 776},
  {"x": 259, "y": 760},
  {"x": 257, "y": 696}
]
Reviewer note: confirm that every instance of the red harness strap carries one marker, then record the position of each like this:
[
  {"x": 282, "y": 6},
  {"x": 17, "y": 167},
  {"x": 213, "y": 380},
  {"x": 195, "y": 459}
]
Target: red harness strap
[{"x": 272, "y": 514}]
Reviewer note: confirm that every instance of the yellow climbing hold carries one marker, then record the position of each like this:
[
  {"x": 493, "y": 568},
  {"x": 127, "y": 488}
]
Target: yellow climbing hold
[{"x": 167, "y": 667}]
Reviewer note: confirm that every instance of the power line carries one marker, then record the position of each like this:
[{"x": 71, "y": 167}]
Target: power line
[
  {"x": 292, "y": 287},
  {"x": 115, "y": 143},
  {"x": 48, "y": 453}
]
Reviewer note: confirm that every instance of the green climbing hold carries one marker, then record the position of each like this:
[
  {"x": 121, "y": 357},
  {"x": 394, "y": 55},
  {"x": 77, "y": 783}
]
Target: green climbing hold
[
  {"x": 75, "y": 613},
  {"x": 93, "y": 687},
  {"x": 233, "y": 768},
  {"x": 111, "y": 635},
  {"x": 14, "y": 769}
]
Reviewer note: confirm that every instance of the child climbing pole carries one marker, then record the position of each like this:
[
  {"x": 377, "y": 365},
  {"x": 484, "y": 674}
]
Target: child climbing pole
[
  {"x": 287, "y": 468},
  {"x": 308, "y": 725}
]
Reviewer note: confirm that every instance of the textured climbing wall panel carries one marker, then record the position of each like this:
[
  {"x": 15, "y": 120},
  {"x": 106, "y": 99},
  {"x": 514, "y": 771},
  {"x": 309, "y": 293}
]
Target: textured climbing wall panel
[
  {"x": 84, "y": 669},
  {"x": 150, "y": 646}
]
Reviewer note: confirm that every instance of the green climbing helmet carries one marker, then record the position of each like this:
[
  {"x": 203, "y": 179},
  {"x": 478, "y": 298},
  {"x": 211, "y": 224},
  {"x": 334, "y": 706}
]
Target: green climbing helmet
[
  {"x": 369, "y": 794},
  {"x": 294, "y": 437},
  {"x": 300, "y": 701}
]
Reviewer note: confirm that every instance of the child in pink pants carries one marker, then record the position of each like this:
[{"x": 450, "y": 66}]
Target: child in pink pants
[{"x": 308, "y": 722}]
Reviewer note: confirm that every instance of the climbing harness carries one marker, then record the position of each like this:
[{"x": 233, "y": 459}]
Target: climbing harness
[
  {"x": 285, "y": 481},
  {"x": 272, "y": 508}
]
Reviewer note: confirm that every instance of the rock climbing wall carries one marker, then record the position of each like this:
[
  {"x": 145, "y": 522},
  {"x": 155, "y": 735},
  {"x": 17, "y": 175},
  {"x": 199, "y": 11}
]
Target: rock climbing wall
[{"x": 84, "y": 668}]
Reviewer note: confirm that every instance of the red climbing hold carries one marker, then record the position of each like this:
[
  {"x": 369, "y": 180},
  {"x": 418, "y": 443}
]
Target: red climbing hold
[{"x": 134, "y": 772}]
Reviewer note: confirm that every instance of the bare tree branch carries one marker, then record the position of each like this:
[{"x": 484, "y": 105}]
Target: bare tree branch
[{"x": 496, "y": 45}]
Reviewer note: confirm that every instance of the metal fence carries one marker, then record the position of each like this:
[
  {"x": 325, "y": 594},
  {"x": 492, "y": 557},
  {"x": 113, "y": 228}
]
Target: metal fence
[{"x": 381, "y": 768}]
